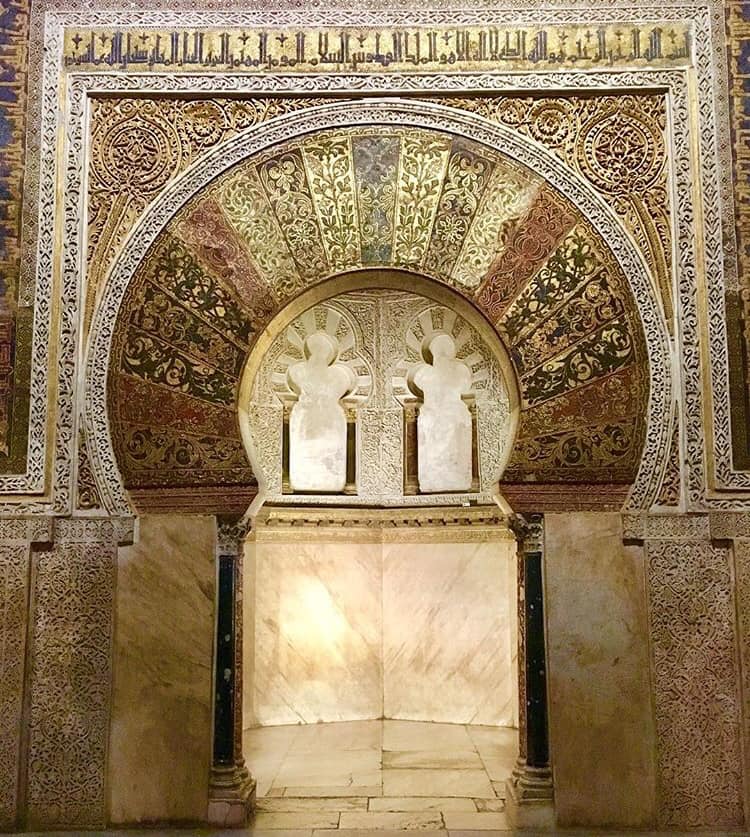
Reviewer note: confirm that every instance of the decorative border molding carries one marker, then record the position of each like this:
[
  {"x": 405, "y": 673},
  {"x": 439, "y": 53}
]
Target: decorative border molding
[
  {"x": 667, "y": 527},
  {"x": 14, "y": 615},
  {"x": 729, "y": 525},
  {"x": 379, "y": 111},
  {"x": 70, "y": 682},
  {"x": 119, "y": 531},
  {"x": 26, "y": 530},
  {"x": 411, "y": 525},
  {"x": 50, "y": 20}
]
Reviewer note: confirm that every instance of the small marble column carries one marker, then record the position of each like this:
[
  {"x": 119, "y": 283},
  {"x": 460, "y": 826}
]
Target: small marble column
[
  {"x": 529, "y": 790},
  {"x": 231, "y": 796}
]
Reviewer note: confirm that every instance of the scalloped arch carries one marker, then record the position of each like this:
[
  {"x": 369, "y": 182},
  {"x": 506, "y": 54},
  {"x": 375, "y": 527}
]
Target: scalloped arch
[{"x": 371, "y": 184}]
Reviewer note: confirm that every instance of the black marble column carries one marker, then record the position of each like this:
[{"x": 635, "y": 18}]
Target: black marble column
[
  {"x": 537, "y": 742},
  {"x": 225, "y": 690},
  {"x": 232, "y": 788},
  {"x": 530, "y": 795}
]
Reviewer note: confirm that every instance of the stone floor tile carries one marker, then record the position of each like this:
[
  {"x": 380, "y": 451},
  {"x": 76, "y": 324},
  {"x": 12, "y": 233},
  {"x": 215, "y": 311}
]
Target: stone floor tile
[
  {"x": 262, "y": 787},
  {"x": 402, "y": 821},
  {"x": 297, "y": 819},
  {"x": 380, "y": 832},
  {"x": 499, "y": 788},
  {"x": 337, "y": 790},
  {"x": 418, "y": 735},
  {"x": 269, "y": 739},
  {"x": 305, "y": 785},
  {"x": 276, "y": 832},
  {"x": 345, "y": 735},
  {"x": 495, "y": 742},
  {"x": 498, "y": 769},
  {"x": 470, "y": 783},
  {"x": 352, "y": 767},
  {"x": 452, "y": 759},
  {"x": 459, "y": 820},
  {"x": 493, "y": 804},
  {"x": 320, "y": 803},
  {"x": 422, "y": 803}
]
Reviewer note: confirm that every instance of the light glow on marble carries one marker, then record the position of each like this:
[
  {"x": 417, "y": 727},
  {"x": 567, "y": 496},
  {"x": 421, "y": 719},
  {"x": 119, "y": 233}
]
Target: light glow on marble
[
  {"x": 310, "y": 620},
  {"x": 317, "y": 633},
  {"x": 355, "y": 631}
]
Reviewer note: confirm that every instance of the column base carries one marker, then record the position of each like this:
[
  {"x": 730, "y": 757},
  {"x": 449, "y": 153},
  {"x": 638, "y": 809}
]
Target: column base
[
  {"x": 231, "y": 797},
  {"x": 529, "y": 799}
]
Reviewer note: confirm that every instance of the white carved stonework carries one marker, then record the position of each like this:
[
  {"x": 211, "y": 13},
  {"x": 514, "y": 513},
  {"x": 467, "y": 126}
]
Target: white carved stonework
[
  {"x": 317, "y": 424},
  {"x": 373, "y": 355},
  {"x": 444, "y": 433}
]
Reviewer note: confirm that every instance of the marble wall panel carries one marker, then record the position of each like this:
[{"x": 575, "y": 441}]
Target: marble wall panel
[
  {"x": 248, "y": 634},
  {"x": 14, "y": 592},
  {"x": 358, "y": 623},
  {"x": 447, "y": 639},
  {"x": 696, "y": 685},
  {"x": 160, "y": 746},
  {"x": 70, "y": 681},
  {"x": 601, "y": 722},
  {"x": 317, "y": 631}
]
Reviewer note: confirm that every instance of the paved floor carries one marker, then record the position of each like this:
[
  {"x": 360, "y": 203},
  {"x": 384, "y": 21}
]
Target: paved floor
[
  {"x": 389, "y": 775},
  {"x": 378, "y": 778}
]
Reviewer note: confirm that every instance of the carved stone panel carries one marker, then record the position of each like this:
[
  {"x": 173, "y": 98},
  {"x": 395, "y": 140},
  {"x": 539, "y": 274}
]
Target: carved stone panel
[
  {"x": 381, "y": 341},
  {"x": 14, "y": 571},
  {"x": 444, "y": 431},
  {"x": 695, "y": 685},
  {"x": 317, "y": 420},
  {"x": 742, "y": 575},
  {"x": 70, "y": 682}
]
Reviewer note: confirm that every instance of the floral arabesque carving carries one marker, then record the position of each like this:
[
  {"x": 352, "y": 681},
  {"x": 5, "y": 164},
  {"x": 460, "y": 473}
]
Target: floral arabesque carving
[
  {"x": 695, "y": 682},
  {"x": 14, "y": 582},
  {"x": 618, "y": 144},
  {"x": 612, "y": 328},
  {"x": 70, "y": 679}
]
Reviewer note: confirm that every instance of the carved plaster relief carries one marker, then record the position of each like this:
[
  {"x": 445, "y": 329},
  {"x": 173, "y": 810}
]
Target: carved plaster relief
[
  {"x": 742, "y": 576},
  {"x": 614, "y": 346},
  {"x": 70, "y": 679},
  {"x": 380, "y": 339},
  {"x": 695, "y": 683},
  {"x": 444, "y": 431},
  {"x": 707, "y": 46},
  {"x": 14, "y": 580},
  {"x": 317, "y": 421}
]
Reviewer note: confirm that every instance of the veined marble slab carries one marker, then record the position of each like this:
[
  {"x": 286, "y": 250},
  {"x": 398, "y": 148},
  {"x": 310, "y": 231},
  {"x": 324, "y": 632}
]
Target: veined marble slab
[
  {"x": 160, "y": 740},
  {"x": 349, "y": 631},
  {"x": 317, "y": 632},
  {"x": 447, "y": 616}
]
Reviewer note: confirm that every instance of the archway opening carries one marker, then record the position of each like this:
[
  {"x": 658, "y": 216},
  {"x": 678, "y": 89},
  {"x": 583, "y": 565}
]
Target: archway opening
[
  {"x": 380, "y": 594},
  {"x": 550, "y": 269}
]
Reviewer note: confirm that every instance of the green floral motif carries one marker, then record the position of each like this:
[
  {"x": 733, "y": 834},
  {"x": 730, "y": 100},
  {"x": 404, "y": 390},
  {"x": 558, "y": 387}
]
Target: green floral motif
[
  {"x": 423, "y": 163},
  {"x": 178, "y": 274},
  {"x": 331, "y": 175},
  {"x": 154, "y": 360},
  {"x": 466, "y": 177},
  {"x": 600, "y": 354}
]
